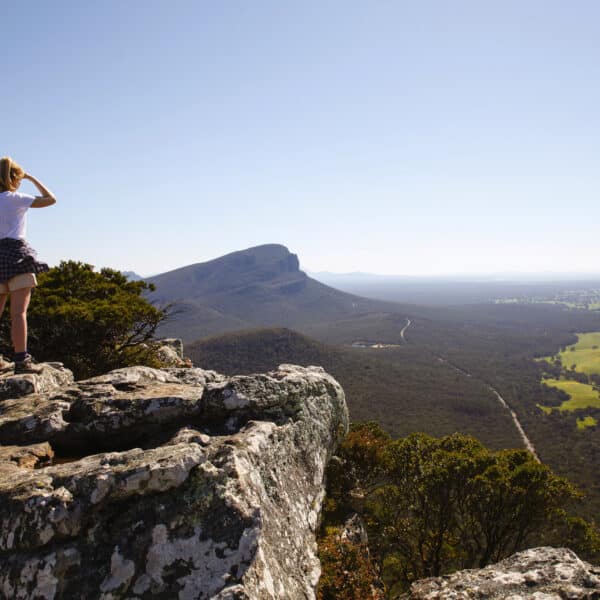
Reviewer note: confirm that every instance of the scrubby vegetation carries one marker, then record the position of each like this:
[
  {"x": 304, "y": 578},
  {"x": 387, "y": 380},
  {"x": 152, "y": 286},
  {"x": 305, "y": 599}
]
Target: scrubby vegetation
[
  {"x": 433, "y": 506},
  {"x": 92, "y": 321},
  {"x": 404, "y": 390},
  {"x": 348, "y": 572}
]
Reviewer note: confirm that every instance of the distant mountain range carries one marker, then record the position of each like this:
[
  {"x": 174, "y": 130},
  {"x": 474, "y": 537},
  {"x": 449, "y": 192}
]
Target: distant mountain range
[
  {"x": 360, "y": 277},
  {"x": 465, "y": 289},
  {"x": 257, "y": 287}
]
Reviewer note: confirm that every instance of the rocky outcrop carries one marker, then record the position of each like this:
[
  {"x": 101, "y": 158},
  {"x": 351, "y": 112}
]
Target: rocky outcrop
[
  {"x": 170, "y": 353},
  {"x": 539, "y": 573},
  {"x": 51, "y": 378},
  {"x": 171, "y": 483}
]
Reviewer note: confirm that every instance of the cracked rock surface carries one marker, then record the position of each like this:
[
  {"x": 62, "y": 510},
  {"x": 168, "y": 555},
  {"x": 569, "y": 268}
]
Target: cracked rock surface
[
  {"x": 538, "y": 573},
  {"x": 166, "y": 483}
]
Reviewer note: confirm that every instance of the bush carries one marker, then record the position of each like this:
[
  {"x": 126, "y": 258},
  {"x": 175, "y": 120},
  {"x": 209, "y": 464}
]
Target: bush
[
  {"x": 436, "y": 505},
  {"x": 91, "y": 321},
  {"x": 348, "y": 573}
]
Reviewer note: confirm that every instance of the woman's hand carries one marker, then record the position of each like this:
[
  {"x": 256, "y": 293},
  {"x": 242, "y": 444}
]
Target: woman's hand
[{"x": 46, "y": 197}]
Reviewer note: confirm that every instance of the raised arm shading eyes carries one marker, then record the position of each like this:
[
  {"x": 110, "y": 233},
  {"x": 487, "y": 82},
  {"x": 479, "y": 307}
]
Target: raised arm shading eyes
[{"x": 46, "y": 197}]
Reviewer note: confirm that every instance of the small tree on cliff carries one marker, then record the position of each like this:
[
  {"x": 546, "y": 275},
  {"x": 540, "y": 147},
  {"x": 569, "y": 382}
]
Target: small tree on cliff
[
  {"x": 92, "y": 321},
  {"x": 437, "y": 505}
]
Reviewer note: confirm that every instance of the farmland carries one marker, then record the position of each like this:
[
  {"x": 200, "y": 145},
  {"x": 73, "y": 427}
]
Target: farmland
[{"x": 581, "y": 395}]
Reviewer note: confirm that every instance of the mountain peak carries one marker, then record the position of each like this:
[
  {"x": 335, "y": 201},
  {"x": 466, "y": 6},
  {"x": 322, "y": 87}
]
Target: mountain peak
[
  {"x": 261, "y": 286},
  {"x": 273, "y": 255},
  {"x": 276, "y": 258}
]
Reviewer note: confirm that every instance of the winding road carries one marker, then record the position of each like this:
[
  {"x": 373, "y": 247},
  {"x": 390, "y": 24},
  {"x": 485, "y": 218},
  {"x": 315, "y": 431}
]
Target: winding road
[
  {"x": 408, "y": 322},
  {"x": 526, "y": 441}
]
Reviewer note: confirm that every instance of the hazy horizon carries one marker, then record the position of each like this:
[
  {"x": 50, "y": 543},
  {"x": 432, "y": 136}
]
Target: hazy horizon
[
  {"x": 491, "y": 276},
  {"x": 515, "y": 276},
  {"x": 455, "y": 277},
  {"x": 413, "y": 138}
]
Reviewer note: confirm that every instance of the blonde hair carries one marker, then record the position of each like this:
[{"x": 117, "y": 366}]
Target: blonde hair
[{"x": 11, "y": 174}]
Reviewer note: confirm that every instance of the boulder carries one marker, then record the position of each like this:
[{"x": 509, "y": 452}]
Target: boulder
[
  {"x": 170, "y": 353},
  {"x": 169, "y": 357},
  {"x": 174, "y": 344},
  {"x": 538, "y": 573},
  {"x": 120, "y": 409},
  {"x": 53, "y": 376},
  {"x": 27, "y": 457},
  {"x": 170, "y": 483}
]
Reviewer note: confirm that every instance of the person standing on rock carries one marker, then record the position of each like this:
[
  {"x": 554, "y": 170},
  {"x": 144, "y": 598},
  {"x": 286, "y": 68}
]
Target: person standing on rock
[{"x": 18, "y": 260}]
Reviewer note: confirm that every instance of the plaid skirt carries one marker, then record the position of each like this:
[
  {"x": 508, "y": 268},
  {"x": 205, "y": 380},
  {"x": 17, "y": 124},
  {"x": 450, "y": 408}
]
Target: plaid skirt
[{"x": 16, "y": 257}]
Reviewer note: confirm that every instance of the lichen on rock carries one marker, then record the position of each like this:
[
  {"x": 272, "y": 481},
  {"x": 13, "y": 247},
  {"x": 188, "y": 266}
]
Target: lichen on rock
[
  {"x": 538, "y": 573},
  {"x": 172, "y": 483}
]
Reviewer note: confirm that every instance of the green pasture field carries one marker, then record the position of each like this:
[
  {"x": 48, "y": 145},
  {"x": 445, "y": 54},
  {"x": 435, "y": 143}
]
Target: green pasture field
[
  {"x": 581, "y": 394},
  {"x": 586, "y": 422},
  {"x": 585, "y": 354}
]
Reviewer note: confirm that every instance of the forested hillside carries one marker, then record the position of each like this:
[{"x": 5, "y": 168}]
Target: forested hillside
[
  {"x": 438, "y": 378},
  {"x": 406, "y": 388},
  {"x": 403, "y": 390},
  {"x": 498, "y": 344}
]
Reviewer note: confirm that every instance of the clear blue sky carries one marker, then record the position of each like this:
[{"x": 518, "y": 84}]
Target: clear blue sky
[{"x": 383, "y": 136}]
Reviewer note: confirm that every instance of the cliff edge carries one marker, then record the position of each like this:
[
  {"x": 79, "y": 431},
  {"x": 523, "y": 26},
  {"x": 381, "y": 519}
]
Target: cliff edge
[
  {"x": 185, "y": 483},
  {"x": 171, "y": 483}
]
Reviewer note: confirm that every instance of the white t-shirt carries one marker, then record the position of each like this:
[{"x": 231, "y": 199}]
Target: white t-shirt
[{"x": 13, "y": 214}]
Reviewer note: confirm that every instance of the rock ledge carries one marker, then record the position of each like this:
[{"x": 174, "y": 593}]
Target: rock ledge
[
  {"x": 171, "y": 483},
  {"x": 539, "y": 573}
]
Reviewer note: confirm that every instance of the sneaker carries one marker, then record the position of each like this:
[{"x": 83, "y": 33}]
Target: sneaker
[{"x": 27, "y": 365}]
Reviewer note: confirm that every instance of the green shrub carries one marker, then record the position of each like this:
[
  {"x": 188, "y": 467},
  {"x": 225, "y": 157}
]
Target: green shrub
[
  {"x": 436, "y": 505},
  {"x": 91, "y": 321}
]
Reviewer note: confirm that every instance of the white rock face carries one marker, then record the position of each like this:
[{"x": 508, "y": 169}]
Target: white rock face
[
  {"x": 538, "y": 573},
  {"x": 172, "y": 483},
  {"x": 52, "y": 377}
]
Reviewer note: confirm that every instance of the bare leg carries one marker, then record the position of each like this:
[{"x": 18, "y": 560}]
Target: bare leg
[
  {"x": 3, "y": 299},
  {"x": 19, "y": 301}
]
